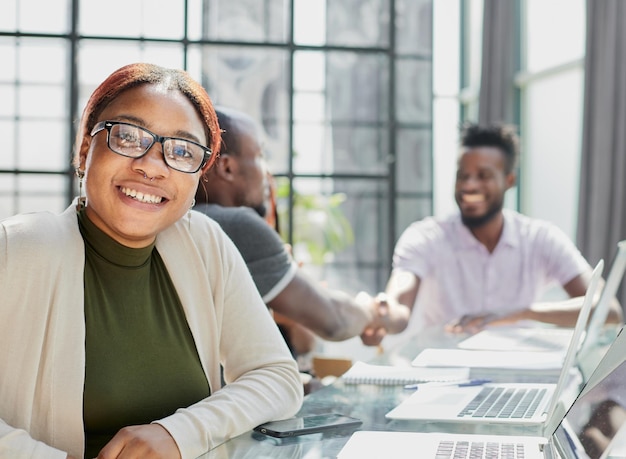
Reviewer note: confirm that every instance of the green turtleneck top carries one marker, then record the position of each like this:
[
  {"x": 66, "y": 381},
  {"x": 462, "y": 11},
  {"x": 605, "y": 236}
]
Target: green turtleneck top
[{"x": 141, "y": 359}]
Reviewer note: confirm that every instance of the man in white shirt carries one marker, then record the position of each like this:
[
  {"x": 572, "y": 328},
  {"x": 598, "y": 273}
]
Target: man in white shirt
[{"x": 486, "y": 264}]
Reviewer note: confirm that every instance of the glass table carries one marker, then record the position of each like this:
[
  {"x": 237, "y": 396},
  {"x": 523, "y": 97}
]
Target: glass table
[{"x": 366, "y": 402}]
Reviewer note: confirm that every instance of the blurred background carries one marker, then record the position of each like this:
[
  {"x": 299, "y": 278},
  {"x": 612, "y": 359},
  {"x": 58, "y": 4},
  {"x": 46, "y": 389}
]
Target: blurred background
[{"x": 360, "y": 103}]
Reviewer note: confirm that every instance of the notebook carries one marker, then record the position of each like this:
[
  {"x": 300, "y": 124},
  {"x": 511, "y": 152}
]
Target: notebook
[
  {"x": 511, "y": 337},
  {"x": 389, "y": 375},
  {"x": 509, "y": 403},
  {"x": 568, "y": 438}
]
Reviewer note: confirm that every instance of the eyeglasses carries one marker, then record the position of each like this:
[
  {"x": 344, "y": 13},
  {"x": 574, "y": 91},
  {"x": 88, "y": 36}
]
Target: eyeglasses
[{"x": 133, "y": 141}]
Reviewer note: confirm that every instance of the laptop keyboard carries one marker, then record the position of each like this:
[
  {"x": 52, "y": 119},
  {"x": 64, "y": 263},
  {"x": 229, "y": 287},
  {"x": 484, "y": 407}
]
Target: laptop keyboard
[
  {"x": 500, "y": 402},
  {"x": 479, "y": 450}
]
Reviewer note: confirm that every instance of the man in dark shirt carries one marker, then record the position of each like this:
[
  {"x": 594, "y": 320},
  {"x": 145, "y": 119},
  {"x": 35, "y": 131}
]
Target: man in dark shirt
[{"x": 234, "y": 193}]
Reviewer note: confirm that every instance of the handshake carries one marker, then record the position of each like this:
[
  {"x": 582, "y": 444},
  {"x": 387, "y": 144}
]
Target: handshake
[{"x": 387, "y": 317}]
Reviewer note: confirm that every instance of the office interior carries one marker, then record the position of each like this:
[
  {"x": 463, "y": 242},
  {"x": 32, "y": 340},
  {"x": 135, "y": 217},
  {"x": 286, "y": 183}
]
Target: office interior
[{"x": 359, "y": 101}]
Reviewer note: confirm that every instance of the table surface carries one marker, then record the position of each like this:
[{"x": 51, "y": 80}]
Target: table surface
[{"x": 366, "y": 402}]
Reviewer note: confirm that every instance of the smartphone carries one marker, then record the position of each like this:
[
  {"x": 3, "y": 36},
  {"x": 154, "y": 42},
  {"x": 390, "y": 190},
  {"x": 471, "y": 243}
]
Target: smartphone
[{"x": 307, "y": 424}]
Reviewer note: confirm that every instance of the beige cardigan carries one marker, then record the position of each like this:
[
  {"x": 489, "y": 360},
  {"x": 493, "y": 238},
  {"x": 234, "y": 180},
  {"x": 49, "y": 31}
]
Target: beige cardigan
[{"x": 42, "y": 336}]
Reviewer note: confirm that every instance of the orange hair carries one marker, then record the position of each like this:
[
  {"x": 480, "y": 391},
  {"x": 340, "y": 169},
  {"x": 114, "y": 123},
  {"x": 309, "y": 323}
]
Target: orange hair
[{"x": 133, "y": 75}]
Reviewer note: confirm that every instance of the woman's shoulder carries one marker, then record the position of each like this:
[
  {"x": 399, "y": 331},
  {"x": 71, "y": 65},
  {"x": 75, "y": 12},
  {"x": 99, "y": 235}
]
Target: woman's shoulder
[
  {"x": 43, "y": 226},
  {"x": 41, "y": 238}
]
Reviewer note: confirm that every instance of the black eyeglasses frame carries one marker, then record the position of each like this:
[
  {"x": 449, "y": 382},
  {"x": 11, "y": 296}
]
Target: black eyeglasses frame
[{"x": 108, "y": 125}]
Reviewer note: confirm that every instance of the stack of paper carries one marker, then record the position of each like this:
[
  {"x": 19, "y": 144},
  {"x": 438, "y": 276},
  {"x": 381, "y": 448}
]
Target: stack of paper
[{"x": 501, "y": 365}]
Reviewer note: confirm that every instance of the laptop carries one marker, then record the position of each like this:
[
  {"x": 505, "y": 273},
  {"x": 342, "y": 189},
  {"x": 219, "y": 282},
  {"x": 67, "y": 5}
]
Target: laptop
[
  {"x": 507, "y": 403},
  {"x": 601, "y": 311},
  {"x": 571, "y": 438},
  {"x": 514, "y": 337}
]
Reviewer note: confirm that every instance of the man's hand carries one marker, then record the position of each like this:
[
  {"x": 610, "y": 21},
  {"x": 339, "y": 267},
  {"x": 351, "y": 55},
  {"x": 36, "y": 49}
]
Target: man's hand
[
  {"x": 149, "y": 441},
  {"x": 388, "y": 317},
  {"x": 474, "y": 323},
  {"x": 376, "y": 330}
]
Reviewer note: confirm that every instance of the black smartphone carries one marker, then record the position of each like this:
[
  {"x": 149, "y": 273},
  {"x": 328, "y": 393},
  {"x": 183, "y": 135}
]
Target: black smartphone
[{"x": 307, "y": 424}]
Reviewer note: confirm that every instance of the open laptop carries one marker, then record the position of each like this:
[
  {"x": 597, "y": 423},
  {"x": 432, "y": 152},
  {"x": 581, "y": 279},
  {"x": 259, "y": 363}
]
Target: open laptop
[
  {"x": 569, "y": 438},
  {"x": 514, "y": 337},
  {"x": 507, "y": 403},
  {"x": 601, "y": 311}
]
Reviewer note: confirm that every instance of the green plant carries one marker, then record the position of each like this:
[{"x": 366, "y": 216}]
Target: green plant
[{"x": 320, "y": 226}]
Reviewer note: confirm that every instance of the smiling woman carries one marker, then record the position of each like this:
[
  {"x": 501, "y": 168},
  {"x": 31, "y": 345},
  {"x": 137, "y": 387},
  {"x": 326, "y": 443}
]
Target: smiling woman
[
  {"x": 113, "y": 179},
  {"x": 120, "y": 348}
]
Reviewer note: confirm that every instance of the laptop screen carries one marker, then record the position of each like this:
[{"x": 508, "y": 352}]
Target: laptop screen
[{"x": 596, "y": 417}]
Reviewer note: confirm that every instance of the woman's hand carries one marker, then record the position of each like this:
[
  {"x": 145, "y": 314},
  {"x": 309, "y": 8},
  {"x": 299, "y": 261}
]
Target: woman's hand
[{"x": 149, "y": 441}]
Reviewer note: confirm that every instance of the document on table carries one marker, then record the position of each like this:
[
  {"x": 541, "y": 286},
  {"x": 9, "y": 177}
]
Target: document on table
[
  {"x": 514, "y": 360},
  {"x": 366, "y": 373}
]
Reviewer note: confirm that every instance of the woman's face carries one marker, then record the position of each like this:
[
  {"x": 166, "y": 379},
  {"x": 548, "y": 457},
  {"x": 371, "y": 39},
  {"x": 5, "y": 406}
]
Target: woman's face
[{"x": 121, "y": 201}]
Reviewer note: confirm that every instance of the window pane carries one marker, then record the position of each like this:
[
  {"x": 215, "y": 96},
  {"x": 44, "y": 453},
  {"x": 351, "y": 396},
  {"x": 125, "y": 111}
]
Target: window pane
[
  {"x": 35, "y": 16},
  {"x": 8, "y": 152},
  {"x": 42, "y": 60},
  {"x": 247, "y": 20},
  {"x": 414, "y": 91},
  {"x": 339, "y": 229},
  {"x": 309, "y": 71},
  {"x": 556, "y": 105},
  {"x": 42, "y": 192},
  {"x": 31, "y": 193},
  {"x": 360, "y": 23},
  {"x": 309, "y": 22},
  {"x": 8, "y": 51},
  {"x": 255, "y": 81},
  {"x": 358, "y": 86},
  {"x": 360, "y": 149},
  {"x": 98, "y": 59},
  {"x": 545, "y": 47},
  {"x": 414, "y": 27},
  {"x": 472, "y": 45},
  {"x": 43, "y": 145},
  {"x": 7, "y": 96},
  {"x": 42, "y": 101},
  {"x": 414, "y": 160},
  {"x": 137, "y": 18},
  {"x": 340, "y": 148},
  {"x": 8, "y": 18}
]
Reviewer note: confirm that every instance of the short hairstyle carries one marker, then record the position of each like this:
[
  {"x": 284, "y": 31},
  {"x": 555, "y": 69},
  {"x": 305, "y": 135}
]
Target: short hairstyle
[
  {"x": 501, "y": 136},
  {"x": 233, "y": 123},
  {"x": 134, "y": 75}
]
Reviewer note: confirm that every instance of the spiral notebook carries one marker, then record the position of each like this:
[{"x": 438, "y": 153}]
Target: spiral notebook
[{"x": 386, "y": 375}]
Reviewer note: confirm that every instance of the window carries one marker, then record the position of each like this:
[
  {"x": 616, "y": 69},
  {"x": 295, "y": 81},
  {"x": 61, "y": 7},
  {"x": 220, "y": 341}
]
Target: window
[{"x": 342, "y": 89}]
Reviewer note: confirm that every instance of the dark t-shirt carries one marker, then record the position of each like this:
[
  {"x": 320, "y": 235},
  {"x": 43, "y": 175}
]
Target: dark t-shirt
[
  {"x": 141, "y": 362},
  {"x": 272, "y": 268}
]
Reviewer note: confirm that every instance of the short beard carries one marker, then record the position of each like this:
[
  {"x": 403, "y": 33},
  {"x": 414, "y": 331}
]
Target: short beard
[{"x": 476, "y": 222}]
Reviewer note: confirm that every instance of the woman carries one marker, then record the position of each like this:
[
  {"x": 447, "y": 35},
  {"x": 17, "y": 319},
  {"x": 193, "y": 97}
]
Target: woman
[{"x": 117, "y": 315}]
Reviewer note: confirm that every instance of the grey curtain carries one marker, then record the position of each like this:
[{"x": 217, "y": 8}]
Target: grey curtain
[
  {"x": 602, "y": 210},
  {"x": 499, "y": 51}
]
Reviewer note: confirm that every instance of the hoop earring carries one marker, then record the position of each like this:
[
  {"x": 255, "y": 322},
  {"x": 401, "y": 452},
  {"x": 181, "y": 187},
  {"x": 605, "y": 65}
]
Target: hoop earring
[
  {"x": 193, "y": 203},
  {"x": 82, "y": 200}
]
